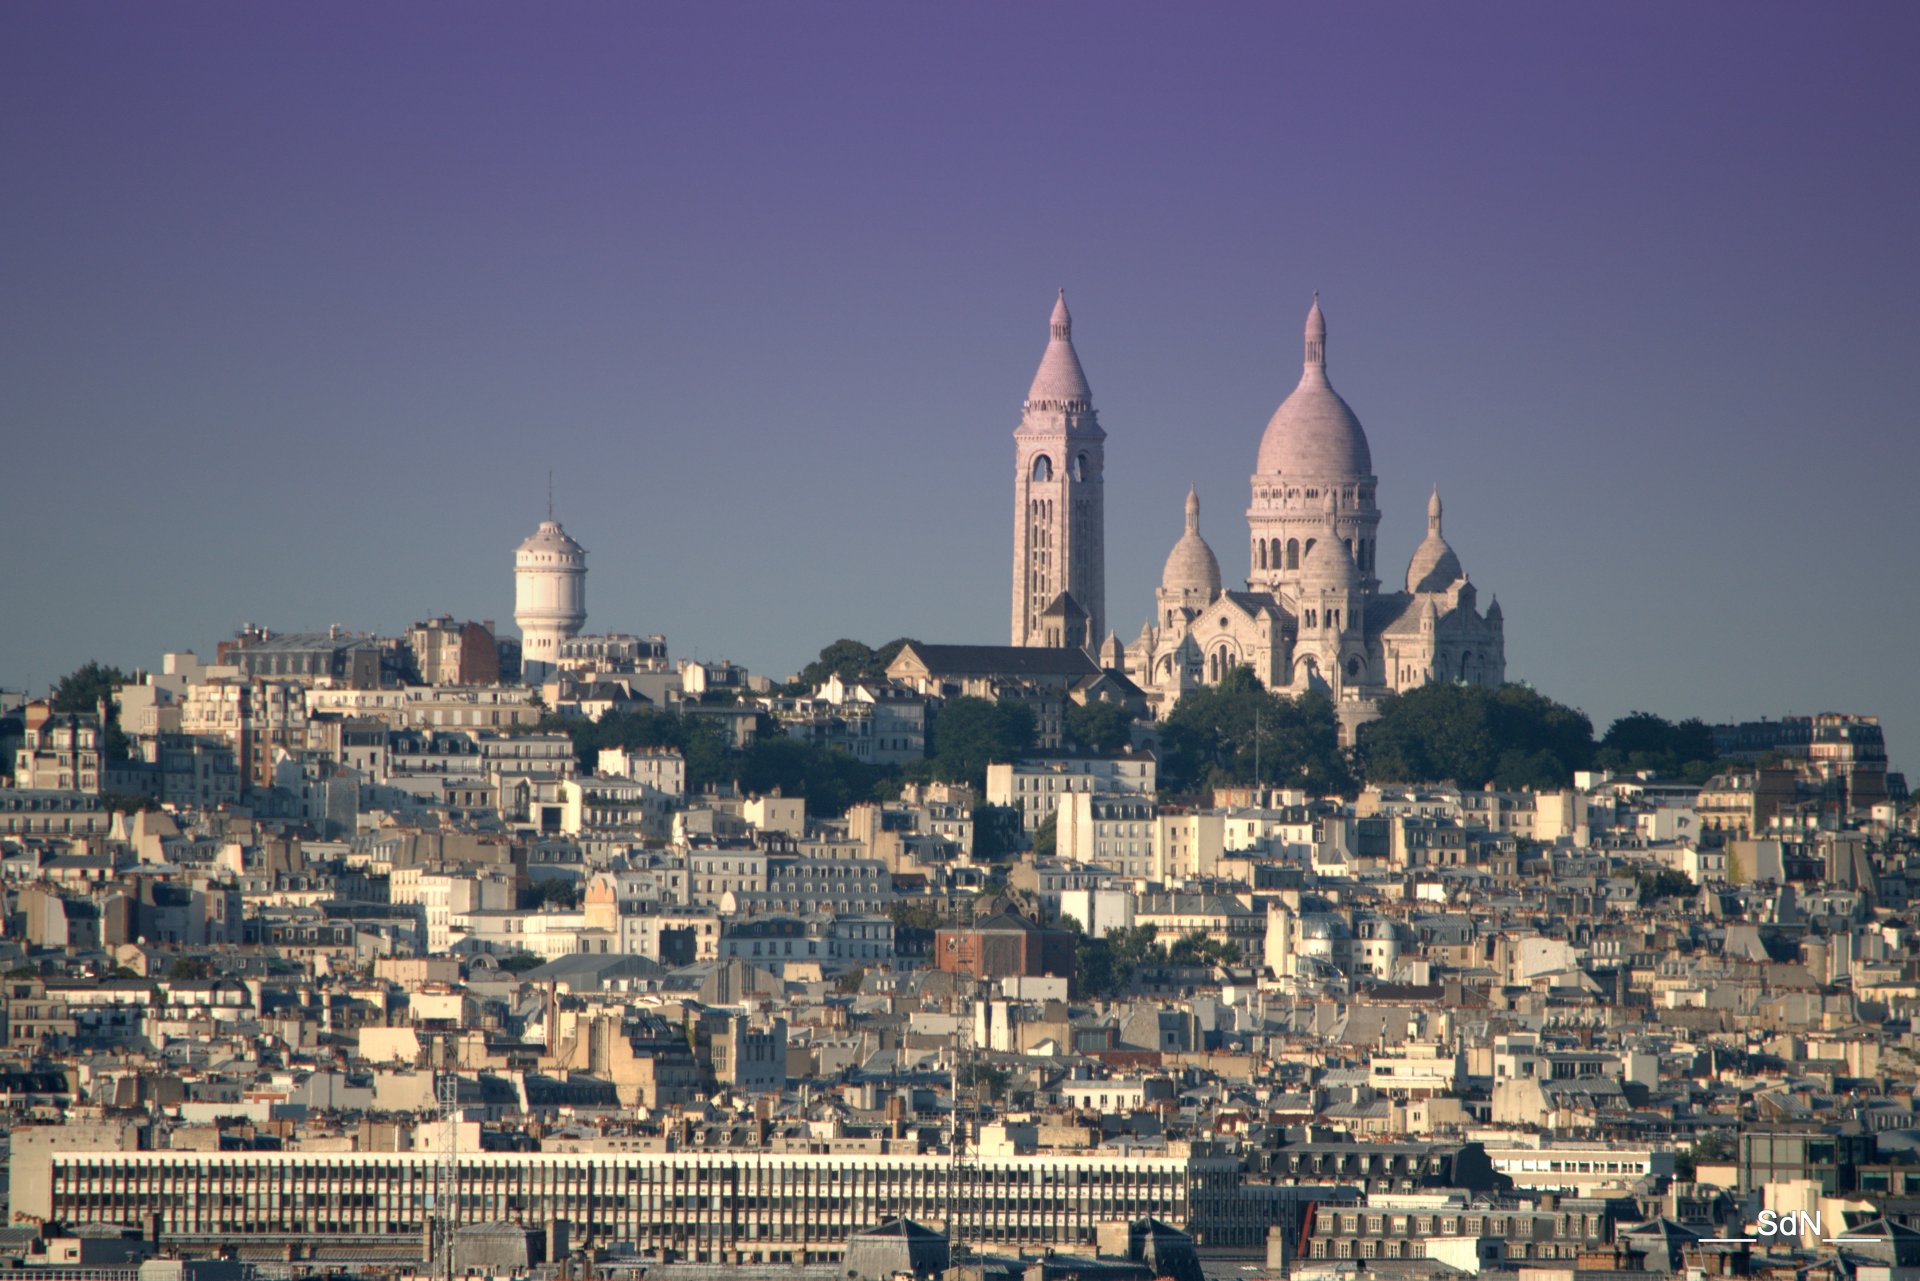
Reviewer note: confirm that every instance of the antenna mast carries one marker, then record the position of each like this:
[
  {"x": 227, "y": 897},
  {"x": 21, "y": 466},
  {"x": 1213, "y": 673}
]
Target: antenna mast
[{"x": 446, "y": 1089}]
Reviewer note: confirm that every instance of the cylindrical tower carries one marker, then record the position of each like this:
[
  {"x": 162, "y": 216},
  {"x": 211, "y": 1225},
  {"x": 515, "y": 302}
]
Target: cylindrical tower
[{"x": 549, "y": 596}]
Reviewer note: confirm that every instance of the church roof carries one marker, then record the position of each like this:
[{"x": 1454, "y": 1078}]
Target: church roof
[
  {"x": 1060, "y": 383},
  {"x": 1191, "y": 565},
  {"x": 1000, "y": 660},
  {"x": 1314, "y": 434}
]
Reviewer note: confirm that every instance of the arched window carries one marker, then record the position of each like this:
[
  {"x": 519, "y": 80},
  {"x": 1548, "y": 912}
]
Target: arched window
[
  {"x": 1463, "y": 667},
  {"x": 1307, "y": 550},
  {"x": 1353, "y": 669},
  {"x": 1042, "y": 467},
  {"x": 1262, "y": 543},
  {"x": 1080, "y": 466},
  {"x": 1293, "y": 553},
  {"x": 1213, "y": 666}
]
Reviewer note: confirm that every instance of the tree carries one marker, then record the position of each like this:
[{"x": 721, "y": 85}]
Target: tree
[
  {"x": 998, "y": 833},
  {"x": 1046, "y": 836},
  {"x": 850, "y": 981},
  {"x": 1666, "y": 883},
  {"x": 1239, "y": 732},
  {"x": 85, "y": 689},
  {"x": 1643, "y": 741},
  {"x": 849, "y": 660},
  {"x": 1472, "y": 736},
  {"x": 1099, "y": 727},
  {"x": 969, "y": 732},
  {"x": 187, "y": 969}
]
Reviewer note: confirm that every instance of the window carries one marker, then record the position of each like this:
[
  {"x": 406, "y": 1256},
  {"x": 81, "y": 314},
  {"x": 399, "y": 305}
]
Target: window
[{"x": 1042, "y": 468}]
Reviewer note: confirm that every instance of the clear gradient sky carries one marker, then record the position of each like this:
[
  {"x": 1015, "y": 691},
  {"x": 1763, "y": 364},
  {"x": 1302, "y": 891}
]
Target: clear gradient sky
[{"x": 299, "y": 304}]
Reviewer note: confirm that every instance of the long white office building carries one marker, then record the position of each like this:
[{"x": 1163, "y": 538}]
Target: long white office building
[{"x": 711, "y": 1207}]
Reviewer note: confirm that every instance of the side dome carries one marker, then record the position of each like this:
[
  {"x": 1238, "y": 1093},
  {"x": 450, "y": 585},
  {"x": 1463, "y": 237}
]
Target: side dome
[
  {"x": 1314, "y": 433},
  {"x": 1434, "y": 566},
  {"x": 1191, "y": 565}
]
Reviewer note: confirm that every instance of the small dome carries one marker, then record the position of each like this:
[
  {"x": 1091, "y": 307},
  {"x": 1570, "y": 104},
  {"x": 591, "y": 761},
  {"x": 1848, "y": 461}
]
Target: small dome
[
  {"x": 1060, "y": 383},
  {"x": 1434, "y": 567},
  {"x": 1314, "y": 433},
  {"x": 551, "y": 538},
  {"x": 1329, "y": 564},
  {"x": 1191, "y": 565}
]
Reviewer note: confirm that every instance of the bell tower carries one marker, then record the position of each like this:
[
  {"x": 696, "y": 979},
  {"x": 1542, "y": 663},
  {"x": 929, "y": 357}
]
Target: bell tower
[{"x": 1059, "y": 509}]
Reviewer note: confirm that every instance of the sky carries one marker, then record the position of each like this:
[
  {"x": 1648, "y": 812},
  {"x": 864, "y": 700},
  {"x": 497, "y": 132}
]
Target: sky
[{"x": 299, "y": 306}]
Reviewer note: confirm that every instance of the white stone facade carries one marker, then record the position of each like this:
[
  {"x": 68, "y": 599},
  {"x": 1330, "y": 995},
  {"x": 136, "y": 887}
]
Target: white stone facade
[
  {"x": 1314, "y": 615},
  {"x": 549, "y": 597}
]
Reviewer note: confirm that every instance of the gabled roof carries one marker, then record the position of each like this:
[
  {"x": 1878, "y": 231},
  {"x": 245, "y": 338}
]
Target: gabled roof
[{"x": 996, "y": 660}]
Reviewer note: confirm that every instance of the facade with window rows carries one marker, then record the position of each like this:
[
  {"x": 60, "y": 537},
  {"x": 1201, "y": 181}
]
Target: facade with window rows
[
  {"x": 712, "y": 1207},
  {"x": 1389, "y": 1231}
]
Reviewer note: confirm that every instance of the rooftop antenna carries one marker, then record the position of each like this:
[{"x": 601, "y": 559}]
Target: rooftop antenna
[{"x": 549, "y": 493}]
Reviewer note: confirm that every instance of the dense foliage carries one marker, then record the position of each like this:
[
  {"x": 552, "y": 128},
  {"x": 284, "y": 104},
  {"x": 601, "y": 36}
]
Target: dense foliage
[
  {"x": 830, "y": 780},
  {"x": 83, "y": 690},
  {"x": 967, "y": 733},
  {"x": 1098, "y": 727},
  {"x": 849, "y": 660},
  {"x": 1511, "y": 737},
  {"x": 998, "y": 833},
  {"x": 1240, "y": 732},
  {"x": 1642, "y": 741}
]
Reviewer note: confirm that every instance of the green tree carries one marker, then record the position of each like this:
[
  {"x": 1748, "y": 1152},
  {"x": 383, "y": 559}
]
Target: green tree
[
  {"x": 998, "y": 833},
  {"x": 849, "y": 660},
  {"x": 1643, "y": 741},
  {"x": 1100, "y": 727},
  {"x": 84, "y": 690},
  {"x": 1666, "y": 883},
  {"x": 1239, "y": 732},
  {"x": 850, "y": 981},
  {"x": 968, "y": 733},
  {"x": 1046, "y": 836},
  {"x": 1473, "y": 736}
]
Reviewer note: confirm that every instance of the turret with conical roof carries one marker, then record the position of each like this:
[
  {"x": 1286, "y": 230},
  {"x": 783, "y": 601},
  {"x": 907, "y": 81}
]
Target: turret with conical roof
[{"x": 1059, "y": 521}]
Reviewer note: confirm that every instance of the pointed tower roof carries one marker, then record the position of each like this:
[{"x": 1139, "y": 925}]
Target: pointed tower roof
[
  {"x": 1314, "y": 434},
  {"x": 1434, "y": 567},
  {"x": 1060, "y": 384},
  {"x": 1191, "y": 565}
]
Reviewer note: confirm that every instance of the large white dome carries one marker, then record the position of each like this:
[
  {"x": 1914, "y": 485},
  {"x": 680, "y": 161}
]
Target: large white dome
[{"x": 1314, "y": 434}]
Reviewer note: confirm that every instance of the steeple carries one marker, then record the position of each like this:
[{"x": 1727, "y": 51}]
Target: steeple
[
  {"x": 1433, "y": 513},
  {"x": 1060, "y": 384},
  {"x": 1193, "y": 509},
  {"x": 1316, "y": 335}
]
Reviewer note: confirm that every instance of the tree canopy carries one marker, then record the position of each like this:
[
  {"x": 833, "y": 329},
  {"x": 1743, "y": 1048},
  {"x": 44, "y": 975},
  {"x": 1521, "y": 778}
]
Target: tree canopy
[
  {"x": 1511, "y": 737},
  {"x": 1240, "y": 732},
  {"x": 82, "y": 689},
  {"x": 849, "y": 660},
  {"x": 1643, "y": 741},
  {"x": 1100, "y": 727},
  {"x": 968, "y": 733}
]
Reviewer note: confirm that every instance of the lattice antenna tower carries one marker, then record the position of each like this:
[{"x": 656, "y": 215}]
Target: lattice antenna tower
[
  {"x": 962, "y": 1145},
  {"x": 447, "y": 1094}
]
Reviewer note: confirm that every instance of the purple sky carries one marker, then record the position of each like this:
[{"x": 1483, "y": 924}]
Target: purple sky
[{"x": 298, "y": 304}]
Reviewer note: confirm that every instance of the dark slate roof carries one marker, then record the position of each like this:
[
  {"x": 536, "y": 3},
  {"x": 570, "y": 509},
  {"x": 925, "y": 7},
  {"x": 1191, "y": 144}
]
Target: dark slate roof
[{"x": 1002, "y": 660}]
